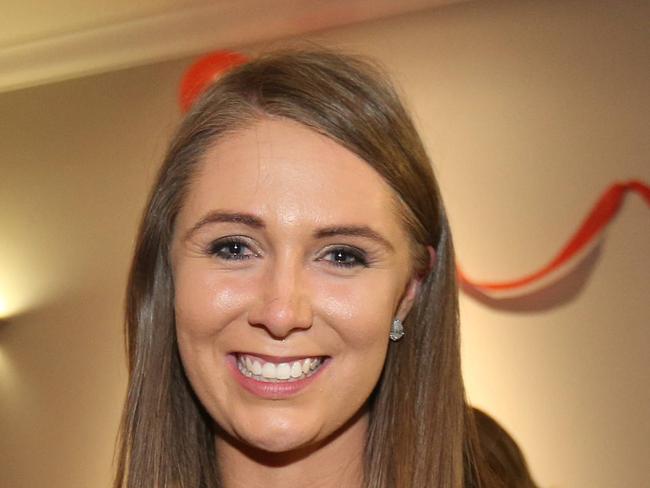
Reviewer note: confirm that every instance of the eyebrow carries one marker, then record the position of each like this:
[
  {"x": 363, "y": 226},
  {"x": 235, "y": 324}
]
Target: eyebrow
[
  {"x": 354, "y": 231},
  {"x": 224, "y": 216}
]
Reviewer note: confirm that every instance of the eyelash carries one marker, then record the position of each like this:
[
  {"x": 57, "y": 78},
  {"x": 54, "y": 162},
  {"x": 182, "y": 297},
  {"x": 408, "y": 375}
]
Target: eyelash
[
  {"x": 351, "y": 257},
  {"x": 216, "y": 249},
  {"x": 358, "y": 257}
]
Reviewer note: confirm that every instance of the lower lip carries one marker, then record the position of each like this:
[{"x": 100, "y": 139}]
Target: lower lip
[{"x": 270, "y": 390}]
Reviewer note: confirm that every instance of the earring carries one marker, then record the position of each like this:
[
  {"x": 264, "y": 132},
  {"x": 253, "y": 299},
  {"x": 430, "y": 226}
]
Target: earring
[{"x": 396, "y": 330}]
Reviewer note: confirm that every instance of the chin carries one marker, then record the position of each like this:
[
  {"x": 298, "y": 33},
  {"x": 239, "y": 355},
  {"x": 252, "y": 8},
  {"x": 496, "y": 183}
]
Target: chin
[
  {"x": 281, "y": 437},
  {"x": 278, "y": 436},
  {"x": 277, "y": 445}
]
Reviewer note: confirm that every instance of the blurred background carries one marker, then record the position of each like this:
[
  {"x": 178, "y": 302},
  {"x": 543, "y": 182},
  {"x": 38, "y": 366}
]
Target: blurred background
[{"x": 529, "y": 109}]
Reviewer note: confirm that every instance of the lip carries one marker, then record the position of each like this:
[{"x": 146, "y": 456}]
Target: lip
[{"x": 274, "y": 391}]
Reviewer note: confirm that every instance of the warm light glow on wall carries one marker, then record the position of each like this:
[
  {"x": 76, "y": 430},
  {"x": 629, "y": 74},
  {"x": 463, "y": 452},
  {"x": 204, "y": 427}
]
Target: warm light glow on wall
[
  {"x": 17, "y": 299},
  {"x": 10, "y": 303},
  {"x": 4, "y": 308},
  {"x": 25, "y": 284}
]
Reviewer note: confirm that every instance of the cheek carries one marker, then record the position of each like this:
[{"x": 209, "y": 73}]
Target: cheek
[
  {"x": 206, "y": 302},
  {"x": 361, "y": 316},
  {"x": 361, "y": 310}
]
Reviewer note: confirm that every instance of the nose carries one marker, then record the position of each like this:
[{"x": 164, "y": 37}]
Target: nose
[{"x": 284, "y": 304}]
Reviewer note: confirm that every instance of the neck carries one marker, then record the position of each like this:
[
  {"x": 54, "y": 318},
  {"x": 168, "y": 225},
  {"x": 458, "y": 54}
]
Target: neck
[{"x": 331, "y": 463}]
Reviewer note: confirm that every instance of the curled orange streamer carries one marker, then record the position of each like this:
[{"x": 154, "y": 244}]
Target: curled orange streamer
[{"x": 600, "y": 216}]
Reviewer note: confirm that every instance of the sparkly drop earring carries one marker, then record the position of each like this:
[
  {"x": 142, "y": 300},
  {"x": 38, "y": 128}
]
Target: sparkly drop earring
[{"x": 396, "y": 330}]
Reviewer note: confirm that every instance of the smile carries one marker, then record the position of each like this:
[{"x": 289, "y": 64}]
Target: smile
[{"x": 284, "y": 372}]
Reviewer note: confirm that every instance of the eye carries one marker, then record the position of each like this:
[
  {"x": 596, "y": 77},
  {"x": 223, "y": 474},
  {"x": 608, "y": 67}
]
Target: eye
[
  {"x": 231, "y": 249},
  {"x": 345, "y": 257}
]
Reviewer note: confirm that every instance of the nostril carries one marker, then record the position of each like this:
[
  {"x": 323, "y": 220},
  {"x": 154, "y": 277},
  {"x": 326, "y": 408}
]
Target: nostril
[
  {"x": 281, "y": 316},
  {"x": 275, "y": 332}
]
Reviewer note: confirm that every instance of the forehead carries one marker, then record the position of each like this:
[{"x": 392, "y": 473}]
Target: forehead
[{"x": 279, "y": 169}]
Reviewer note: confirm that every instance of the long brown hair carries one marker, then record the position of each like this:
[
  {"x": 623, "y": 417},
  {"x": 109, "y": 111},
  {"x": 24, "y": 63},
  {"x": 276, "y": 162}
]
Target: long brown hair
[
  {"x": 502, "y": 455},
  {"x": 420, "y": 433}
]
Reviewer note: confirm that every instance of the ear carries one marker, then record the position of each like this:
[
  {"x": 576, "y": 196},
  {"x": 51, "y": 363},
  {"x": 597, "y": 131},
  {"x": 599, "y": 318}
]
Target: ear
[{"x": 414, "y": 285}]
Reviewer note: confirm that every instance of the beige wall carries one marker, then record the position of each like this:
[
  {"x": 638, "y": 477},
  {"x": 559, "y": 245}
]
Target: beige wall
[
  {"x": 529, "y": 109},
  {"x": 76, "y": 161}
]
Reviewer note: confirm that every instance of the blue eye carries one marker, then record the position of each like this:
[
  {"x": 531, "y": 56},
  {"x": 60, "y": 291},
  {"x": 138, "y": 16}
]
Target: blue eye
[
  {"x": 346, "y": 257},
  {"x": 231, "y": 249}
]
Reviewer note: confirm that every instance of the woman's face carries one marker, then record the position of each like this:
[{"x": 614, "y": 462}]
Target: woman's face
[{"x": 290, "y": 264}]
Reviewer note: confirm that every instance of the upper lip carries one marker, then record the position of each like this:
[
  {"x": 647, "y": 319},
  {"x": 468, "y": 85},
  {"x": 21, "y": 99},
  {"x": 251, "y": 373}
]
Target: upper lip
[{"x": 278, "y": 359}]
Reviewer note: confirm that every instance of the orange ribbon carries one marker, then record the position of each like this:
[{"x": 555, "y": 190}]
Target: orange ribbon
[{"x": 600, "y": 216}]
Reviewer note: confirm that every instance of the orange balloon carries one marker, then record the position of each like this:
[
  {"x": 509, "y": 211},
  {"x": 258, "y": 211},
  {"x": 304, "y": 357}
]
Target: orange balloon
[{"x": 204, "y": 72}]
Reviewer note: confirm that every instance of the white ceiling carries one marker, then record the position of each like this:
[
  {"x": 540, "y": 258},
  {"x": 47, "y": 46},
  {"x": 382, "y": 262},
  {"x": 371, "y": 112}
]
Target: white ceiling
[
  {"x": 27, "y": 20},
  {"x": 43, "y": 41}
]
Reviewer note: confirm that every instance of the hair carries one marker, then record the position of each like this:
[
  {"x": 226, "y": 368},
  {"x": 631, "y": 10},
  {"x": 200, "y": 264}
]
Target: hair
[
  {"x": 420, "y": 431},
  {"x": 502, "y": 454}
]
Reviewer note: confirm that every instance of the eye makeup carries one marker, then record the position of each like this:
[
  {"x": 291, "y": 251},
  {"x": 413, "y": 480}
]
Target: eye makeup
[
  {"x": 231, "y": 248},
  {"x": 345, "y": 256}
]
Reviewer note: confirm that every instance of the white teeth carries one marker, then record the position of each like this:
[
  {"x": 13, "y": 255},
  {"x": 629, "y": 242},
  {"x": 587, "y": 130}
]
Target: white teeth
[
  {"x": 305, "y": 366},
  {"x": 296, "y": 370},
  {"x": 283, "y": 371},
  {"x": 267, "y": 371}
]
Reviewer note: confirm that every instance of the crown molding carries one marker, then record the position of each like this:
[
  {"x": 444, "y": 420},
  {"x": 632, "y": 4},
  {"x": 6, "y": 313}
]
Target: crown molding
[{"x": 183, "y": 32}]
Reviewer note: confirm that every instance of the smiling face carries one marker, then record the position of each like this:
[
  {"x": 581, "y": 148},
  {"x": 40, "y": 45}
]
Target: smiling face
[{"x": 290, "y": 263}]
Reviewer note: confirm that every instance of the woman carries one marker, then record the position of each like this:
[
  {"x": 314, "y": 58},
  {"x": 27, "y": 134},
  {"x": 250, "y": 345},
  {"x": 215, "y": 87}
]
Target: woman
[{"x": 294, "y": 234}]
